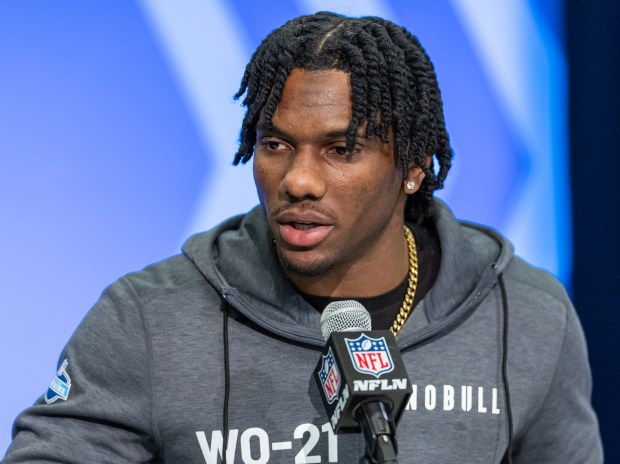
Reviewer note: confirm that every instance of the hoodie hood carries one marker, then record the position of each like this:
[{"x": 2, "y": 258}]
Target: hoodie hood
[{"x": 238, "y": 260}]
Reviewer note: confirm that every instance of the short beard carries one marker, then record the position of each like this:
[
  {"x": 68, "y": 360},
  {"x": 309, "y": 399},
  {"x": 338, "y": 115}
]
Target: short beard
[{"x": 316, "y": 269}]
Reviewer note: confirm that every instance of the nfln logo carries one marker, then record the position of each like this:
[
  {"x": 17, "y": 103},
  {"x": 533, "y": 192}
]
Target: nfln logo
[{"x": 370, "y": 355}]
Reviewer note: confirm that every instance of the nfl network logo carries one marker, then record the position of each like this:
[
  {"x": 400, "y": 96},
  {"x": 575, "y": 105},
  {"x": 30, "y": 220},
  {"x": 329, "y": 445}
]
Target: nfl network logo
[
  {"x": 370, "y": 355},
  {"x": 329, "y": 376}
]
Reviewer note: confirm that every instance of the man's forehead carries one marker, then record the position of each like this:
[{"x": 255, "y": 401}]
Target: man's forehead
[{"x": 310, "y": 89}]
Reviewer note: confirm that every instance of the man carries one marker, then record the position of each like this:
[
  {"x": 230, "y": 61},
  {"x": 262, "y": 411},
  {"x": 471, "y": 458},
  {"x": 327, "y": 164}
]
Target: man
[{"x": 211, "y": 353}]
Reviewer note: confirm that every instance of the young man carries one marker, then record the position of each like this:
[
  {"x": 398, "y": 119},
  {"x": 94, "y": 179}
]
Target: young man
[{"x": 215, "y": 349}]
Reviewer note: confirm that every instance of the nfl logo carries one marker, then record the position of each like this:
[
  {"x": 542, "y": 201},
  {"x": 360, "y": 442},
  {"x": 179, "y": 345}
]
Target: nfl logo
[
  {"x": 60, "y": 386},
  {"x": 330, "y": 377},
  {"x": 370, "y": 355}
]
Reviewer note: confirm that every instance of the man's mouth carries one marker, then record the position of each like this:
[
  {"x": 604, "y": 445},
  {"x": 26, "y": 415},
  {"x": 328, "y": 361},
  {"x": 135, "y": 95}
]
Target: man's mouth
[
  {"x": 303, "y": 234},
  {"x": 303, "y": 225}
]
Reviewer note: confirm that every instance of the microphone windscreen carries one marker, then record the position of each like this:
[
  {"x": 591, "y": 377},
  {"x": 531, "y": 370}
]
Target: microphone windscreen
[{"x": 344, "y": 316}]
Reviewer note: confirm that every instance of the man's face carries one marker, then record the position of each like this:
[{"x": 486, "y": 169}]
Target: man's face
[{"x": 328, "y": 209}]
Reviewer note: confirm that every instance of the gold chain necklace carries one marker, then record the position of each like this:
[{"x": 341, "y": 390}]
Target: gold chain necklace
[{"x": 412, "y": 285}]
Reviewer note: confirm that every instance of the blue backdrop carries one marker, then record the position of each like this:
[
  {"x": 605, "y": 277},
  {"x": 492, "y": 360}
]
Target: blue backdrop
[{"x": 118, "y": 130}]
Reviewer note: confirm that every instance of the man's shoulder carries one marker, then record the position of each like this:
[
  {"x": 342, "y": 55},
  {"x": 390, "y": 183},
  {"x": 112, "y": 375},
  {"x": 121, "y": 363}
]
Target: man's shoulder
[
  {"x": 162, "y": 280},
  {"x": 535, "y": 296},
  {"x": 535, "y": 280},
  {"x": 518, "y": 272},
  {"x": 169, "y": 274}
]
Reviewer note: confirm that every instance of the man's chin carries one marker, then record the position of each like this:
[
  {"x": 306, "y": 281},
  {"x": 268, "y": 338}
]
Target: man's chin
[{"x": 301, "y": 269}]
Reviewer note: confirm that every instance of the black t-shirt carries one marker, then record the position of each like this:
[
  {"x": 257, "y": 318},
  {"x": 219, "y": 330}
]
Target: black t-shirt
[{"x": 384, "y": 308}]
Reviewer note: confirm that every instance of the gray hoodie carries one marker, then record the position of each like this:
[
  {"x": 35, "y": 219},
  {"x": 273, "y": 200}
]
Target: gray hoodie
[{"x": 214, "y": 349}]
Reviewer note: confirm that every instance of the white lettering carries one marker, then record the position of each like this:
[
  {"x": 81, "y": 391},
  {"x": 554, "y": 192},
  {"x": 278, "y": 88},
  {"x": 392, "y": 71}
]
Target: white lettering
[
  {"x": 448, "y": 397},
  {"x": 494, "y": 408},
  {"x": 281, "y": 445},
  {"x": 451, "y": 396},
  {"x": 252, "y": 454},
  {"x": 211, "y": 453},
  {"x": 430, "y": 397},
  {"x": 304, "y": 457},
  {"x": 399, "y": 384},
  {"x": 332, "y": 443},
  {"x": 246, "y": 446},
  {"x": 360, "y": 385},
  {"x": 481, "y": 407},
  {"x": 383, "y": 384},
  {"x": 412, "y": 404},
  {"x": 466, "y": 398}
]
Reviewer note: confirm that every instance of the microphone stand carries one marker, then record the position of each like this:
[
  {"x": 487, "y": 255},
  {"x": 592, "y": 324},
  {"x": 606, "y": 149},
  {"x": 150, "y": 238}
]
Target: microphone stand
[{"x": 379, "y": 429}]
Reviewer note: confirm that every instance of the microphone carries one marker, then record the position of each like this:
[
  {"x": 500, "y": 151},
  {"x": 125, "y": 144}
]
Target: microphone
[{"x": 364, "y": 383}]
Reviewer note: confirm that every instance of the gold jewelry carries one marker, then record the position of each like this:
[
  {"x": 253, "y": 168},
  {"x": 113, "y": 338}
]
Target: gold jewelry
[{"x": 405, "y": 308}]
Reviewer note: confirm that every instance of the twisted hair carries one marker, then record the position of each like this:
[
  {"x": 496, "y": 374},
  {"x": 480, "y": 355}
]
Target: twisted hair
[{"x": 393, "y": 85}]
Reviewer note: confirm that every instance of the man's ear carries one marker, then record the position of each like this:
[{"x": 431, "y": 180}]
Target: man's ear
[{"x": 415, "y": 176}]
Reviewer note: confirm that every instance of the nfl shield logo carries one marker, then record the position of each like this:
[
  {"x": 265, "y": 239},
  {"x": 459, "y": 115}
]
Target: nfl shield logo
[
  {"x": 60, "y": 386},
  {"x": 330, "y": 377},
  {"x": 370, "y": 355}
]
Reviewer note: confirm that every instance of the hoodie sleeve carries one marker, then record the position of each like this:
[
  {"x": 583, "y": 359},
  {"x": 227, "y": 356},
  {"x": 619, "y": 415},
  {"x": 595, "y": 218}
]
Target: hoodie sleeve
[
  {"x": 565, "y": 430},
  {"x": 98, "y": 407}
]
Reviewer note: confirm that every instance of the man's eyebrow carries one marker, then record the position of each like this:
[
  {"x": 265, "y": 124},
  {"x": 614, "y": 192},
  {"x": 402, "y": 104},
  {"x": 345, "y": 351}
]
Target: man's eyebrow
[
  {"x": 338, "y": 133},
  {"x": 271, "y": 130}
]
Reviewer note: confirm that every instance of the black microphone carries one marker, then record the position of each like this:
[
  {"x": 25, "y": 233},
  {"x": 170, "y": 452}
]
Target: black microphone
[{"x": 364, "y": 383}]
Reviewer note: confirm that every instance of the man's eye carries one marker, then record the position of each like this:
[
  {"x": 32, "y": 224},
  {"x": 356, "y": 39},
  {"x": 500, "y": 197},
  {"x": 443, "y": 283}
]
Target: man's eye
[
  {"x": 342, "y": 151},
  {"x": 271, "y": 145}
]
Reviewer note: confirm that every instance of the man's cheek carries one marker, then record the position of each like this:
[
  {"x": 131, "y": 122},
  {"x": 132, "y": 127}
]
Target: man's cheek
[{"x": 261, "y": 181}]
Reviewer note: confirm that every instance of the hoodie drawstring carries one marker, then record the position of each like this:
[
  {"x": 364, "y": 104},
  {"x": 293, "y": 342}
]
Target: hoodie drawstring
[
  {"x": 507, "y": 459},
  {"x": 226, "y": 380}
]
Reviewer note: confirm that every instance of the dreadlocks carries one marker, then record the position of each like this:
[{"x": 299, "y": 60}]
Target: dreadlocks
[{"x": 393, "y": 85}]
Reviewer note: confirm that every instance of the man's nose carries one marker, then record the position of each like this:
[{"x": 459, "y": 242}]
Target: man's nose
[{"x": 304, "y": 177}]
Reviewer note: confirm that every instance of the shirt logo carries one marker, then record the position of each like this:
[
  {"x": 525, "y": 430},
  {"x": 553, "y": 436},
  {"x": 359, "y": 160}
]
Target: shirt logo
[
  {"x": 60, "y": 386},
  {"x": 370, "y": 355},
  {"x": 329, "y": 376}
]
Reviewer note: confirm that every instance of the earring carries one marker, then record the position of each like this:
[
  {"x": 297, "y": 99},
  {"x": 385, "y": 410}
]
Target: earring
[{"x": 410, "y": 185}]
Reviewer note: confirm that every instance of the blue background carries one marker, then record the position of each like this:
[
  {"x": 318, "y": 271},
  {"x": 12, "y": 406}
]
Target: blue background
[{"x": 118, "y": 129}]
